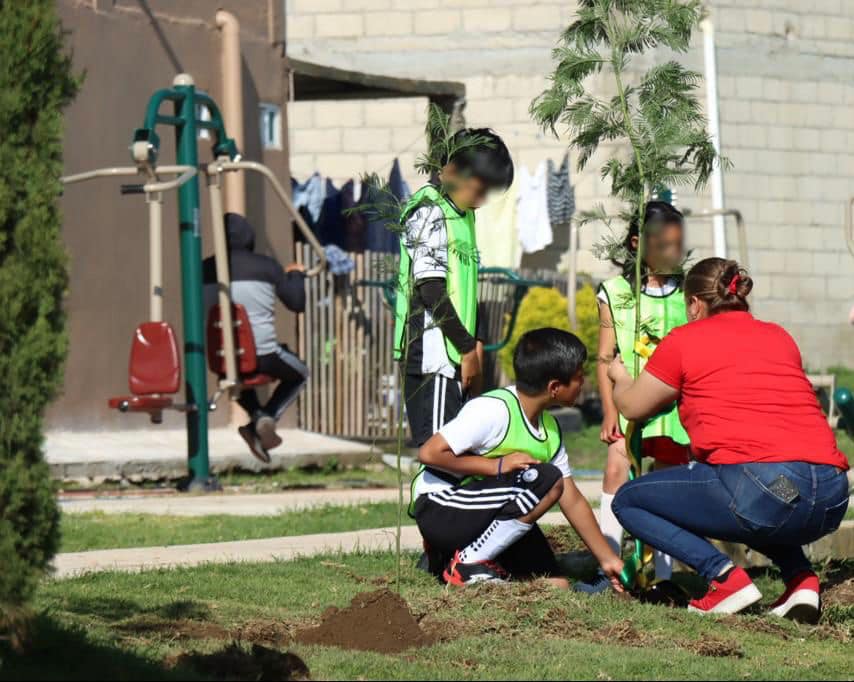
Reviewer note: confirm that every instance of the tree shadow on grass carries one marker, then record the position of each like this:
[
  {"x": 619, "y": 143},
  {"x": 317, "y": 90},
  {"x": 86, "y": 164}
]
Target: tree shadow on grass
[
  {"x": 111, "y": 609},
  {"x": 57, "y": 652}
]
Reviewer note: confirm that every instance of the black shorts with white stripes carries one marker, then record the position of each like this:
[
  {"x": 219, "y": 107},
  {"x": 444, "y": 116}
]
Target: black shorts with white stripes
[
  {"x": 452, "y": 518},
  {"x": 432, "y": 400}
]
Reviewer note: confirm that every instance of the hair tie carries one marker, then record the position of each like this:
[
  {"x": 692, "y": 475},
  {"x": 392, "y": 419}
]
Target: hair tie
[{"x": 733, "y": 284}]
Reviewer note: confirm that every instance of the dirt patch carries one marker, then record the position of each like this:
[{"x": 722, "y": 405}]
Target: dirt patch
[
  {"x": 234, "y": 662},
  {"x": 840, "y": 595},
  {"x": 563, "y": 539},
  {"x": 624, "y": 634},
  {"x": 375, "y": 621},
  {"x": 714, "y": 647},
  {"x": 264, "y": 632},
  {"x": 175, "y": 629}
]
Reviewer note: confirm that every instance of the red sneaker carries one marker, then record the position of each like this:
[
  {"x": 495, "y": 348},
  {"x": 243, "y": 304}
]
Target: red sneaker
[
  {"x": 800, "y": 601},
  {"x": 731, "y": 594},
  {"x": 458, "y": 573}
]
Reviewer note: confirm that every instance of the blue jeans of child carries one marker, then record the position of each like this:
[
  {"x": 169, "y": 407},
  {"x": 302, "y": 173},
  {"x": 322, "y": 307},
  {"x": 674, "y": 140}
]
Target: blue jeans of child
[{"x": 773, "y": 508}]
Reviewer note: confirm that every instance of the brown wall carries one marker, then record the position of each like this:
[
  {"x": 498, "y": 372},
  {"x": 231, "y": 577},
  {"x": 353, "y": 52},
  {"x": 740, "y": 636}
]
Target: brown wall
[{"x": 128, "y": 49}]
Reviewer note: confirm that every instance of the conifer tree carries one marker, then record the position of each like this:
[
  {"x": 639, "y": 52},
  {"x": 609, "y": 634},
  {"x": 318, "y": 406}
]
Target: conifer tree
[
  {"x": 654, "y": 117},
  {"x": 36, "y": 82}
]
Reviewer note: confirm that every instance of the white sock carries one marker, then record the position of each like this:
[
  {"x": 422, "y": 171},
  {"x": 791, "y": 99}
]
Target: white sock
[
  {"x": 494, "y": 540},
  {"x": 663, "y": 565},
  {"x": 609, "y": 525}
]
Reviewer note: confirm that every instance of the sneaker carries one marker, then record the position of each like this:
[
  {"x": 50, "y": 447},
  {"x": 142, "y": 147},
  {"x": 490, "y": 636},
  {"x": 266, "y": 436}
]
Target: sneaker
[
  {"x": 458, "y": 573},
  {"x": 601, "y": 583},
  {"x": 800, "y": 601},
  {"x": 265, "y": 427},
  {"x": 730, "y": 593},
  {"x": 248, "y": 434}
]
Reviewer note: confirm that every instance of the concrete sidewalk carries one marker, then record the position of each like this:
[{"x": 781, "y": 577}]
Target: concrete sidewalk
[
  {"x": 248, "y": 504},
  {"x": 269, "y": 549},
  {"x": 157, "y": 453}
]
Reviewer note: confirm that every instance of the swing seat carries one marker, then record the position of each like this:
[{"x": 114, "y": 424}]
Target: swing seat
[
  {"x": 154, "y": 371},
  {"x": 244, "y": 346}
]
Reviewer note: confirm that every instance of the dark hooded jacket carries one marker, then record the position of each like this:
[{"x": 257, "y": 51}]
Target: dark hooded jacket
[{"x": 256, "y": 282}]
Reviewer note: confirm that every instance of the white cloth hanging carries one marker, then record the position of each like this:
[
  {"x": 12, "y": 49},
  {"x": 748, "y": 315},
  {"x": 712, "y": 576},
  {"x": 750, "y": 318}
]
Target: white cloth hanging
[
  {"x": 497, "y": 233},
  {"x": 532, "y": 209}
]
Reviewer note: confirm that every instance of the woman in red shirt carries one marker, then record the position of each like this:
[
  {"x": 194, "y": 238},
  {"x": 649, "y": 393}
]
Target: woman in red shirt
[{"x": 766, "y": 470}]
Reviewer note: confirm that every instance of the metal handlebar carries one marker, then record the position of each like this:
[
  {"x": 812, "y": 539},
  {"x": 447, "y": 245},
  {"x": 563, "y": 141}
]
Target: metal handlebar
[
  {"x": 849, "y": 231},
  {"x": 223, "y": 165},
  {"x": 739, "y": 224}
]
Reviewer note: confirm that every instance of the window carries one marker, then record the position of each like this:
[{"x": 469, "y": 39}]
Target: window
[
  {"x": 271, "y": 126},
  {"x": 203, "y": 114}
]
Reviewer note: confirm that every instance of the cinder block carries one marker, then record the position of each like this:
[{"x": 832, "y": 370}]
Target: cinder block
[
  {"x": 388, "y": 23},
  {"x": 759, "y": 21},
  {"x": 390, "y": 112},
  {"x": 339, "y": 25},
  {"x": 812, "y": 288},
  {"x": 437, "y": 22},
  {"x": 300, "y": 27},
  {"x": 353, "y": 5},
  {"x": 338, "y": 114},
  {"x": 343, "y": 165},
  {"x": 297, "y": 7},
  {"x": 300, "y": 115},
  {"x": 315, "y": 141},
  {"x": 366, "y": 140},
  {"x": 537, "y": 18},
  {"x": 490, "y": 20}
]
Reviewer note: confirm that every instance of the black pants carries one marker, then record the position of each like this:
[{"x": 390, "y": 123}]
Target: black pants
[
  {"x": 453, "y": 518},
  {"x": 432, "y": 400},
  {"x": 291, "y": 373}
]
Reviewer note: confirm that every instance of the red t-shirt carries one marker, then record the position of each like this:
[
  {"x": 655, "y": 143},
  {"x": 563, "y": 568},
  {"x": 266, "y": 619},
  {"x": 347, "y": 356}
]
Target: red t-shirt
[{"x": 744, "y": 396}]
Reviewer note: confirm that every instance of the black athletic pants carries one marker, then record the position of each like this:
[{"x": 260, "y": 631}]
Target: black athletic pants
[{"x": 291, "y": 373}]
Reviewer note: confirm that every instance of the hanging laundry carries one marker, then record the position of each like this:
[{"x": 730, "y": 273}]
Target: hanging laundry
[
  {"x": 383, "y": 205},
  {"x": 354, "y": 220},
  {"x": 496, "y": 229},
  {"x": 398, "y": 186},
  {"x": 338, "y": 262},
  {"x": 309, "y": 195},
  {"x": 561, "y": 195},
  {"x": 535, "y": 228},
  {"x": 329, "y": 227}
]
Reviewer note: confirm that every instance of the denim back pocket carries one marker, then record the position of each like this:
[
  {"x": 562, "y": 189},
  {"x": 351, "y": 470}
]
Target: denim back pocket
[
  {"x": 758, "y": 509},
  {"x": 833, "y": 516}
]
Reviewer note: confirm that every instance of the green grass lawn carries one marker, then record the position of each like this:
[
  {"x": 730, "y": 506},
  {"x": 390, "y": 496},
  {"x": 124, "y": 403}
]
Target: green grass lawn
[
  {"x": 97, "y": 530},
  {"x": 135, "y": 626}
]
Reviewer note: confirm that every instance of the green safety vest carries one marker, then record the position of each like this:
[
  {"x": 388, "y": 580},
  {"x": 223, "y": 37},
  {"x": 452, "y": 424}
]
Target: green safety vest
[
  {"x": 659, "y": 314},
  {"x": 462, "y": 262},
  {"x": 518, "y": 437}
]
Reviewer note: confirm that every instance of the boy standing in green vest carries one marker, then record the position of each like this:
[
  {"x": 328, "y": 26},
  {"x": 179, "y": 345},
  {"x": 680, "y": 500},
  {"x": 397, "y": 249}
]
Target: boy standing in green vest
[
  {"x": 489, "y": 474},
  {"x": 436, "y": 305}
]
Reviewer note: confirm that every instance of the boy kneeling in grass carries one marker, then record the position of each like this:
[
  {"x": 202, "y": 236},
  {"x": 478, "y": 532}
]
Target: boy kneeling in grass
[{"x": 491, "y": 472}]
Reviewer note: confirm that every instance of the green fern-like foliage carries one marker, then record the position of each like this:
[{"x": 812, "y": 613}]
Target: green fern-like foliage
[{"x": 656, "y": 116}]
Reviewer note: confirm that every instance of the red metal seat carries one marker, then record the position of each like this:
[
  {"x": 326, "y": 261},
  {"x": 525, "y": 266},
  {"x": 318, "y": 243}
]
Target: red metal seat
[
  {"x": 244, "y": 346},
  {"x": 154, "y": 371}
]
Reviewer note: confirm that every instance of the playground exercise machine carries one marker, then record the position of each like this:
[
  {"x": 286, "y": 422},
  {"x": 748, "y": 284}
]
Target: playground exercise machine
[{"x": 154, "y": 371}]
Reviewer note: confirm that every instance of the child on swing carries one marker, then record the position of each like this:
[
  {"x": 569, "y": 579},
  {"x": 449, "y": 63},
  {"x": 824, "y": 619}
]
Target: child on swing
[{"x": 662, "y": 308}]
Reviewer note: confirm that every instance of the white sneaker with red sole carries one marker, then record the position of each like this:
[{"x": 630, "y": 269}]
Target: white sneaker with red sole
[
  {"x": 801, "y": 601},
  {"x": 730, "y": 594}
]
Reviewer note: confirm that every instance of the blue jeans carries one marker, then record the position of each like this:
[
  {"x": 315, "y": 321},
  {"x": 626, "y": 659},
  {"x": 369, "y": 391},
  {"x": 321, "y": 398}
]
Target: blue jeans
[{"x": 773, "y": 508}]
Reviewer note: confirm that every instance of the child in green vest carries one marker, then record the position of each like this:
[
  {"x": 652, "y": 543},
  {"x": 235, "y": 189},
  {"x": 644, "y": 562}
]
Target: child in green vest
[
  {"x": 492, "y": 472},
  {"x": 436, "y": 303},
  {"x": 662, "y": 309}
]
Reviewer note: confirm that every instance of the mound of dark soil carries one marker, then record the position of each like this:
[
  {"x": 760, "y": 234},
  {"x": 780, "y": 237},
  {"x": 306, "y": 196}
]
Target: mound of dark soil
[
  {"x": 234, "y": 662},
  {"x": 375, "y": 621}
]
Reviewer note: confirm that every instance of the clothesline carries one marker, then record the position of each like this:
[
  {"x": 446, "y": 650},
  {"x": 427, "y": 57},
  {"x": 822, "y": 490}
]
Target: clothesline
[{"x": 511, "y": 223}]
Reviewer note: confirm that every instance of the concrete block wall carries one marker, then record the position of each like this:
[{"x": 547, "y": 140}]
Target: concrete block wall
[{"x": 785, "y": 104}]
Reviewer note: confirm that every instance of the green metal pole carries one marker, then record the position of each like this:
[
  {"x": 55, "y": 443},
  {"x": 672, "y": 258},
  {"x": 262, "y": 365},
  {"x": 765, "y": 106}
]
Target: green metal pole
[{"x": 191, "y": 290}]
